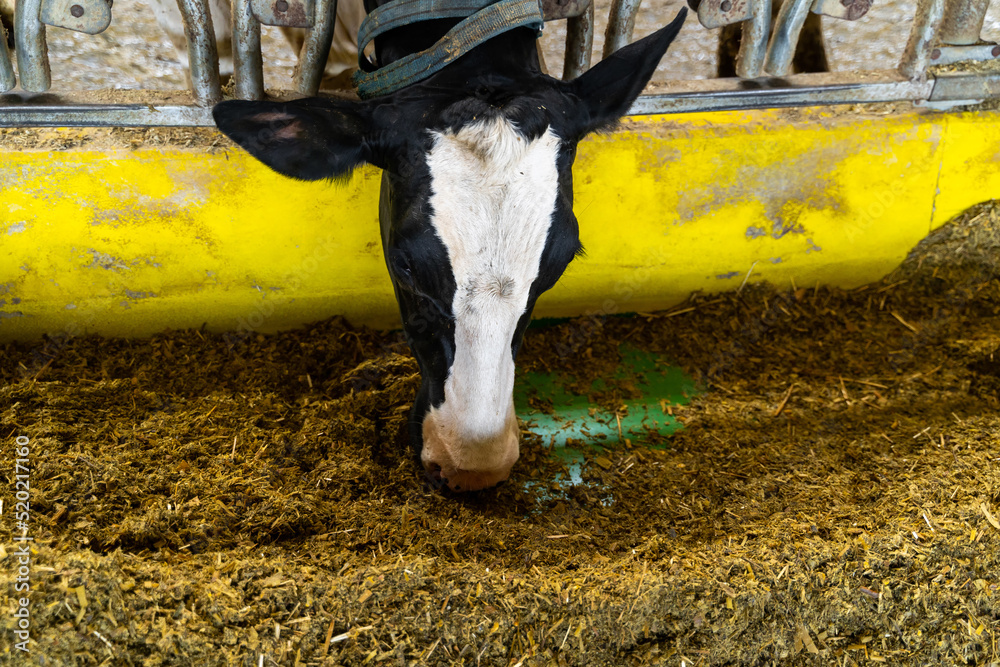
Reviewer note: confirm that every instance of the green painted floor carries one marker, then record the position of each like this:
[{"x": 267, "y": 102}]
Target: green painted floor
[{"x": 576, "y": 427}]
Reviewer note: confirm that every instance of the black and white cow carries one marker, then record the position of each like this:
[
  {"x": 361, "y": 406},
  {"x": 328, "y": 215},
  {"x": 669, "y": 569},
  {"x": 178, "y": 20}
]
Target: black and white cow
[{"x": 476, "y": 212}]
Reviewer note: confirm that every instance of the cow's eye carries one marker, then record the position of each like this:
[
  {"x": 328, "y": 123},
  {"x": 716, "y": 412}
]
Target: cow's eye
[
  {"x": 399, "y": 264},
  {"x": 415, "y": 282}
]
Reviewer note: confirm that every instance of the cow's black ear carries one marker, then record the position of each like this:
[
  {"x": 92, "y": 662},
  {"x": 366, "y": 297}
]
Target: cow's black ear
[
  {"x": 609, "y": 88},
  {"x": 307, "y": 139}
]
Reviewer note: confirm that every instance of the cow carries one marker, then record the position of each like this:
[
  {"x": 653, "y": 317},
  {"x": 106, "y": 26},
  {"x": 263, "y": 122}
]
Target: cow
[{"x": 476, "y": 211}]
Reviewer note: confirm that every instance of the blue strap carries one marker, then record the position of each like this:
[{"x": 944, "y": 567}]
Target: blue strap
[
  {"x": 483, "y": 25},
  {"x": 399, "y": 13}
]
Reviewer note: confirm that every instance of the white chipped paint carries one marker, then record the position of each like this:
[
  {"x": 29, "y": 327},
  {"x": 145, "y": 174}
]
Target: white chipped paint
[
  {"x": 493, "y": 196},
  {"x": 103, "y": 260}
]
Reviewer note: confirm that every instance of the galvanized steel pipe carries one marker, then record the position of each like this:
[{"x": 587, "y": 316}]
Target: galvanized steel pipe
[
  {"x": 102, "y": 115},
  {"x": 203, "y": 54},
  {"x": 753, "y": 45},
  {"x": 798, "y": 90},
  {"x": 248, "y": 66},
  {"x": 621, "y": 24},
  {"x": 579, "y": 43},
  {"x": 963, "y": 21},
  {"x": 917, "y": 54},
  {"x": 32, "y": 52},
  {"x": 316, "y": 48},
  {"x": 7, "y": 79},
  {"x": 785, "y": 39}
]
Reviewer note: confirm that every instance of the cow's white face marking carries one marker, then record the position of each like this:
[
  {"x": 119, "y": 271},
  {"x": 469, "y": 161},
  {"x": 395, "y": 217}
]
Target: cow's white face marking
[{"x": 493, "y": 194}]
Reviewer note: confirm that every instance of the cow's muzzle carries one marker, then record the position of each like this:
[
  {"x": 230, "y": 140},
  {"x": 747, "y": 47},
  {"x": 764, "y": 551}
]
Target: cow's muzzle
[{"x": 464, "y": 459}]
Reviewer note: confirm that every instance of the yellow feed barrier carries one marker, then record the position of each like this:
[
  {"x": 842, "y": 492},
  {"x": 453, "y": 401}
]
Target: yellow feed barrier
[{"x": 123, "y": 242}]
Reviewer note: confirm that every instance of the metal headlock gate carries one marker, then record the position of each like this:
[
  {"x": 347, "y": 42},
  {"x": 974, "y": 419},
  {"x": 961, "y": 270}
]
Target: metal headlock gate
[{"x": 943, "y": 32}]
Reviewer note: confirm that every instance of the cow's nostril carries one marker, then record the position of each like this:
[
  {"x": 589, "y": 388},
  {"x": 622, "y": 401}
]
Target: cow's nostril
[{"x": 433, "y": 478}]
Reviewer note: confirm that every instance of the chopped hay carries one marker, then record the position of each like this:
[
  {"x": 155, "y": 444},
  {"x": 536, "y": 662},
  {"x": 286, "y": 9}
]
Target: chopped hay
[{"x": 204, "y": 499}]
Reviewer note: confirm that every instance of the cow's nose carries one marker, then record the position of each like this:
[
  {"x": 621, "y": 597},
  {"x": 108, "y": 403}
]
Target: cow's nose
[
  {"x": 467, "y": 480},
  {"x": 464, "y": 463}
]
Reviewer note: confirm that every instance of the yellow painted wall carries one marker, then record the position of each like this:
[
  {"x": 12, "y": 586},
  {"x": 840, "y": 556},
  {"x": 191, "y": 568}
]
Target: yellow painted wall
[{"x": 133, "y": 242}]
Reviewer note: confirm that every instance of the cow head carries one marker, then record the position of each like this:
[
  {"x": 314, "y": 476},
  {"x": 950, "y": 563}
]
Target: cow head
[{"x": 476, "y": 214}]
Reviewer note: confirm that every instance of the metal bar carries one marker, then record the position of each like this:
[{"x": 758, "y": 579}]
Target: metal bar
[
  {"x": 946, "y": 55},
  {"x": 797, "y": 90},
  {"x": 32, "y": 52},
  {"x": 104, "y": 115},
  {"x": 965, "y": 87},
  {"x": 718, "y": 13},
  {"x": 963, "y": 21},
  {"x": 7, "y": 78},
  {"x": 579, "y": 43},
  {"x": 787, "y": 27},
  {"x": 90, "y": 17},
  {"x": 849, "y": 10},
  {"x": 203, "y": 55},
  {"x": 753, "y": 45},
  {"x": 563, "y": 9},
  {"x": 316, "y": 49},
  {"x": 917, "y": 54},
  {"x": 285, "y": 13},
  {"x": 248, "y": 66},
  {"x": 621, "y": 25}
]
